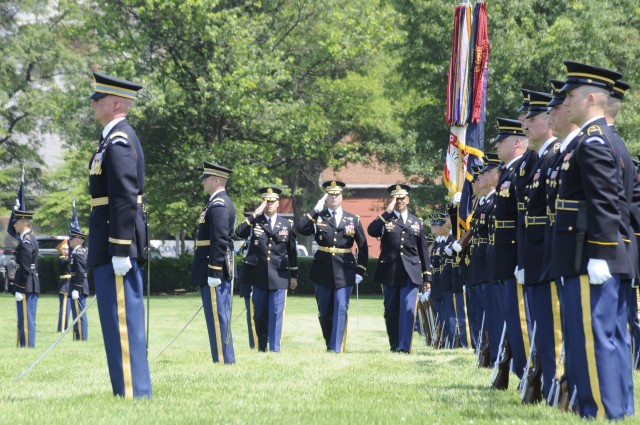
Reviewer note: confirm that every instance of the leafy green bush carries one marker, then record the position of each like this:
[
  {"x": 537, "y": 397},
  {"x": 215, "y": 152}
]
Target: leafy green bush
[{"x": 171, "y": 275}]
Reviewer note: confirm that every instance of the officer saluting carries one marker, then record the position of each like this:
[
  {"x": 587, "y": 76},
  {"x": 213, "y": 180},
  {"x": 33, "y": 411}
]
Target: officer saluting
[
  {"x": 27, "y": 283},
  {"x": 272, "y": 259},
  {"x": 213, "y": 265},
  {"x": 403, "y": 265},
  {"x": 118, "y": 236},
  {"x": 334, "y": 269}
]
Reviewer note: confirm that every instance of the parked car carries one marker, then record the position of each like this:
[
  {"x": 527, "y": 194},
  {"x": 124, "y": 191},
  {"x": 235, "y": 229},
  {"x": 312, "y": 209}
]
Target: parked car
[
  {"x": 7, "y": 271},
  {"x": 48, "y": 244}
]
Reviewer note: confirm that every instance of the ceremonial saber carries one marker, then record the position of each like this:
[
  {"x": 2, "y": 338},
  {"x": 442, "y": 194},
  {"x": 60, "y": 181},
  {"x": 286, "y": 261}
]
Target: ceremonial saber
[
  {"x": 82, "y": 313},
  {"x": 181, "y": 330}
]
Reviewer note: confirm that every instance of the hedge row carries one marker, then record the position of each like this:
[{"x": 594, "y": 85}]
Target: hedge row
[{"x": 171, "y": 275}]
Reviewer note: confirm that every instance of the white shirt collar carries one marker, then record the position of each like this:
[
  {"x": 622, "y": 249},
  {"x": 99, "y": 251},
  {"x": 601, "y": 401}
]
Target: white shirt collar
[
  {"x": 490, "y": 193},
  {"x": 585, "y": 125},
  {"x": 568, "y": 139},
  {"x": 271, "y": 220},
  {"x": 402, "y": 215},
  {"x": 24, "y": 233},
  {"x": 512, "y": 161},
  {"x": 546, "y": 145},
  {"x": 215, "y": 193},
  {"x": 338, "y": 213},
  {"x": 108, "y": 127}
]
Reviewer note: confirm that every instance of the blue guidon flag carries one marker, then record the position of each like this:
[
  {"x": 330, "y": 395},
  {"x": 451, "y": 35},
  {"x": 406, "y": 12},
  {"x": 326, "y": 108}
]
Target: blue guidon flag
[{"x": 18, "y": 206}]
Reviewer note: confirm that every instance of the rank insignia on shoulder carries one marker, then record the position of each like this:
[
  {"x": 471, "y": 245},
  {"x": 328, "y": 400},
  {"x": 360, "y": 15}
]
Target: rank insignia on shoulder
[
  {"x": 594, "y": 129},
  {"x": 594, "y": 139}
]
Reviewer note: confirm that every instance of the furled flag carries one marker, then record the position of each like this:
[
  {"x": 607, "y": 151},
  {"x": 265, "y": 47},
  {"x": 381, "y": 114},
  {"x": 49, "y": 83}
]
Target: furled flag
[
  {"x": 18, "y": 206},
  {"x": 74, "y": 226},
  {"x": 466, "y": 102}
]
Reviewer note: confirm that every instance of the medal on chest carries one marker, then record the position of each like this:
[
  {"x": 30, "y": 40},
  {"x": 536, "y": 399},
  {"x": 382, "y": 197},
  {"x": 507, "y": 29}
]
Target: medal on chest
[
  {"x": 504, "y": 189},
  {"x": 96, "y": 164}
]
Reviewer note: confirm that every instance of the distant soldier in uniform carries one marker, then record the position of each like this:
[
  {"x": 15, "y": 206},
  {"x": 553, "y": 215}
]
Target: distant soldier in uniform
[
  {"x": 335, "y": 270},
  {"x": 403, "y": 265},
  {"x": 64, "y": 313},
  {"x": 117, "y": 248},
  {"x": 589, "y": 249},
  {"x": 271, "y": 262},
  {"x": 79, "y": 284},
  {"x": 213, "y": 266},
  {"x": 27, "y": 283}
]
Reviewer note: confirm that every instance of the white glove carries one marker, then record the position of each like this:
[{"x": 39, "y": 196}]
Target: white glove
[
  {"x": 598, "y": 271},
  {"x": 456, "y": 246},
  {"x": 320, "y": 205},
  {"x": 519, "y": 274},
  {"x": 19, "y": 296},
  {"x": 447, "y": 250},
  {"x": 121, "y": 265},
  {"x": 213, "y": 281},
  {"x": 75, "y": 295},
  {"x": 456, "y": 198},
  {"x": 358, "y": 279}
]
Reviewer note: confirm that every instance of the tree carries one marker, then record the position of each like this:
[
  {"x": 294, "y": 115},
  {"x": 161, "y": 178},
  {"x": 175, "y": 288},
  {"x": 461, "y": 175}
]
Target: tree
[{"x": 530, "y": 39}]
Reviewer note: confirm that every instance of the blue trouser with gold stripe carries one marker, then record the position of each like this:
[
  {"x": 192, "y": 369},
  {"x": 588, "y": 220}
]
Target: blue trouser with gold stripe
[
  {"x": 595, "y": 329},
  {"x": 461, "y": 318},
  {"x": 269, "y": 317},
  {"x": 634, "y": 325},
  {"x": 251, "y": 326},
  {"x": 333, "y": 307},
  {"x": 217, "y": 313},
  {"x": 546, "y": 315},
  {"x": 121, "y": 310},
  {"x": 64, "y": 313},
  {"x": 515, "y": 317},
  {"x": 400, "y": 314},
  {"x": 449, "y": 318},
  {"x": 81, "y": 328},
  {"x": 27, "y": 320},
  {"x": 494, "y": 316}
]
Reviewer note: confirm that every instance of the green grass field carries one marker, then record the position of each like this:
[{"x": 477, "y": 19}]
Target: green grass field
[{"x": 301, "y": 385}]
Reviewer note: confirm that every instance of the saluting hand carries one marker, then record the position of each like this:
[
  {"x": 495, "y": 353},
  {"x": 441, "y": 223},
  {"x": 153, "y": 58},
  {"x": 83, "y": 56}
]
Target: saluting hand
[
  {"x": 294, "y": 283},
  {"x": 392, "y": 205},
  {"x": 320, "y": 205},
  {"x": 260, "y": 209}
]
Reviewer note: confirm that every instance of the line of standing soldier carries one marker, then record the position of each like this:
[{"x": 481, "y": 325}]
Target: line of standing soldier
[{"x": 553, "y": 250}]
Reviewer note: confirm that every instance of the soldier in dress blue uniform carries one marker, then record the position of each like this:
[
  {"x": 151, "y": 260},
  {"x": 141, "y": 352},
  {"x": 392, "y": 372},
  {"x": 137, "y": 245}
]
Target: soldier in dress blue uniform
[
  {"x": 631, "y": 214},
  {"x": 79, "y": 284},
  {"x": 438, "y": 222},
  {"x": 27, "y": 283},
  {"x": 512, "y": 148},
  {"x": 403, "y": 265},
  {"x": 565, "y": 131},
  {"x": 64, "y": 313},
  {"x": 117, "y": 247},
  {"x": 213, "y": 266},
  {"x": 335, "y": 270},
  {"x": 245, "y": 293},
  {"x": 614, "y": 104},
  {"x": 543, "y": 301},
  {"x": 493, "y": 320},
  {"x": 593, "y": 260},
  {"x": 272, "y": 260}
]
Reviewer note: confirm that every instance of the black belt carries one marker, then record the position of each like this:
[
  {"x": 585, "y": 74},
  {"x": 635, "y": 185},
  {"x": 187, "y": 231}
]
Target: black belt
[
  {"x": 536, "y": 220},
  {"x": 505, "y": 224}
]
